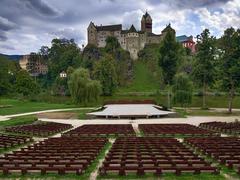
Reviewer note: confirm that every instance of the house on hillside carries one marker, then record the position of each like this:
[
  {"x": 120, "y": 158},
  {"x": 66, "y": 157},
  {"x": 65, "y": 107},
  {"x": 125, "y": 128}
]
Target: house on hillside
[{"x": 187, "y": 41}]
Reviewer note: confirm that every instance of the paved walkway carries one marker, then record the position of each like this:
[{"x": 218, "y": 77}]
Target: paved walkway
[{"x": 194, "y": 120}]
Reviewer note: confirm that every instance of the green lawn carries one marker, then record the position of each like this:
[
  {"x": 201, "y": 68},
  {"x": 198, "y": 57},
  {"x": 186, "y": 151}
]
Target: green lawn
[
  {"x": 18, "y": 121},
  {"x": 143, "y": 80},
  {"x": 22, "y": 106},
  {"x": 15, "y": 106},
  {"x": 81, "y": 114},
  {"x": 166, "y": 176},
  {"x": 202, "y": 112}
]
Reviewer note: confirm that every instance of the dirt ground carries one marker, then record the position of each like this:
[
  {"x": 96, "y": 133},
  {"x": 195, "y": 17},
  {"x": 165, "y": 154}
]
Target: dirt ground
[{"x": 58, "y": 115}]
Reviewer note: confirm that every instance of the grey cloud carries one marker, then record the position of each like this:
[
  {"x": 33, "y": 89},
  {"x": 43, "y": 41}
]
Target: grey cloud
[
  {"x": 45, "y": 19},
  {"x": 42, "y": 7},
  {"x": 189, "y": 3},
  {"x": 69, "y": 33},
  {"x": 3, "y": 36},
  {"x": 6, "y": 25},
  {"x": 4, "y": 46}
]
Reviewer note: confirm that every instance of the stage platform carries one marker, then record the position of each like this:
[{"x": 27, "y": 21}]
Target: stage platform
[{"x": 131, "y": 111}]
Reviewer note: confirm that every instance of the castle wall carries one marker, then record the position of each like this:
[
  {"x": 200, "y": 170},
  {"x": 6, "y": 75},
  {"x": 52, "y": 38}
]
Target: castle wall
[
  {"x": 130, "y": 40},
  {"x": 92, "y": 34},
  {"x": 133, "y": 45},
  {"x": 153, "y": 39},
  {"x": 122, "y": 41},
  {"x": 102, "y": 36},
  {"x": 142, "y": 40}
]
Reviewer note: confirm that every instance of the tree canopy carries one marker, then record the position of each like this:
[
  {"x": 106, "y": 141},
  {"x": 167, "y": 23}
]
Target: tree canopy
[
  {"x": 230, "y": 62},
  {"x": 182, "y": 89},
  {"x": 105, "y": 72},
  {"x": 8, "y": 70},
  {"x": 204, "y": 66},
  {"x": 62, "y": 54},
  {"x": 169, "y": 56},
  {"x": 82, "y": 88},
  {"x": 25, "y": 84}
]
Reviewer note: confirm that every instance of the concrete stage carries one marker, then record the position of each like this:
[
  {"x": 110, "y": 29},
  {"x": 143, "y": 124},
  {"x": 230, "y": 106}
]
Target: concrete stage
[{"x": 130, "y": 111}]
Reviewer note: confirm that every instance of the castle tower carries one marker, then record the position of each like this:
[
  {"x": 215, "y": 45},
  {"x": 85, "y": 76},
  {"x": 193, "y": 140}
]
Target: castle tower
[
  {"x": 92, "y": 34},
  {"x": 168, "y": 28},
  {"x": 146, "y": 23}
]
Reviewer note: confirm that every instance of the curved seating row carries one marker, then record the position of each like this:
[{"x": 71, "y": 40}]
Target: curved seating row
[
  {"x": 60, "y": 155},
  {"x": 7, "y": 141},
  {"x": 224, "y": 149},
  {"x": 102, "y": 129},
  {"x": 42, "y": 129},
  {"x": 223, "y": 127},
  {"x": 152, "y": 154},
  {"x": 173, "y": 129}
]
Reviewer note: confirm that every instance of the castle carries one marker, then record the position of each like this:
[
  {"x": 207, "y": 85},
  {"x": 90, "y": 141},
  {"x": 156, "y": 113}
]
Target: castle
[{"x": 130, "y": 39}]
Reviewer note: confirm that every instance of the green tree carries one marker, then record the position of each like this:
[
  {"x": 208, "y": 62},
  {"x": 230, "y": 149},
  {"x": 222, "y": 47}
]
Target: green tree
[
  {"x": 204, "y": 66},
  {"x": 82, "y": 88},
  {"x": 182, "y": 89},
  {"x": 122, "y": 60},
  {"x": 25, "y": 84},
  {"x": 169, "y": 55},
  {"x": 4, "y": 76},
  {"x": 105, "y": 72},
  {"x": 90, "y": 55},
  {"x": 8, "y": 70},
  {"x": 230, "y": 63},
  {"x": 60, "y": 86},
  {"x": 62, "y": 54},
  {"x": 112, "y": 44}
]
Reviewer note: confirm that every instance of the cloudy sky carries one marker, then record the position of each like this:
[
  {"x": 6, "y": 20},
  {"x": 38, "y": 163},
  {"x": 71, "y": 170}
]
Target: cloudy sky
[{"x": 26, "y": 25}]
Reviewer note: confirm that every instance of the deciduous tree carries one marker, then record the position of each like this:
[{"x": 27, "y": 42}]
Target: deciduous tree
[
  {"x": 230, "y": 63},
  {"x": 169, "y": 56},
  {"x": 82, "y": 88},
  {"x": 204, "y": 66},
  {"x": 182, "y": 89},
  {"x": 105, "y": 72},
  {"x": 25, "y": 84}
]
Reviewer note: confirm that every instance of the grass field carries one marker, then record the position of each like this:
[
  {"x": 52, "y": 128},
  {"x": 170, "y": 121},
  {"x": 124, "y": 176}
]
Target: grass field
[
  {"x": 167, "y": 176},
  {"x": 20, "y": 106},
  {"x": 201, "y": 112},
  {"x": 18, "y": 121},
  {"x": 143, "y": 80},
  {"x": 17, "y": 106}
]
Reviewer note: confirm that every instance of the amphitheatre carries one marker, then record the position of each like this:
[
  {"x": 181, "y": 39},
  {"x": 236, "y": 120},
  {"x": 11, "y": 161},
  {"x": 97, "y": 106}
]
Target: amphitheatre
[
  {"x": 140, "y": 141},
  {"x": 114, "y": 89}
]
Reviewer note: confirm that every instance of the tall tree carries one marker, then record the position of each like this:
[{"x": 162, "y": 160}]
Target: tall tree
[
  {"x": 230, "y": 63},
  {"x": 25, "y": 84},
  {"x": 82, "y": 88},
  {"x": 169, "y": 55},
  {"x": 182, "y": 89},
  {"x": 62, "y": 54},
  {"x": 8, "y": 70},
  {"x": 105, "y": 72},
  {"x": 204, "y": 66}
]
